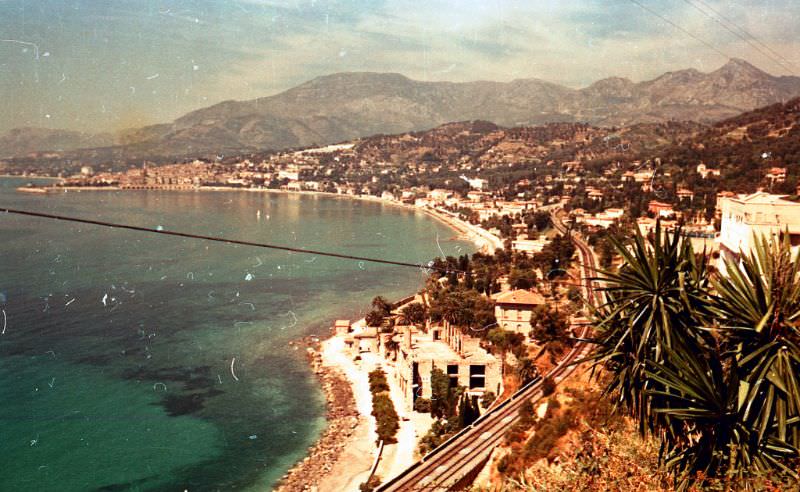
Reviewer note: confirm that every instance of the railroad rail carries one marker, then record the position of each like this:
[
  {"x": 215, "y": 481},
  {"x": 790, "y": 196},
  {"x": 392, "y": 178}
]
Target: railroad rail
[{"x": 446, "y": 465}]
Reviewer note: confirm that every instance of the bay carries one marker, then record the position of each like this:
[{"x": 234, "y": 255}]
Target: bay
[{"x": 132, "y": 361}]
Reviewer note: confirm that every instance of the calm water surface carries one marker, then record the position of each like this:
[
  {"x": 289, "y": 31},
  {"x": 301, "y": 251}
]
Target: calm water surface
[{"x": 115, "y": 364}]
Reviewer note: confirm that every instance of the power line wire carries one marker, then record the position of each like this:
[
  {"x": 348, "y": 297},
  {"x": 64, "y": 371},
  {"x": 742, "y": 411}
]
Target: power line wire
[
  {"x": 743, "y": 37},
  {"x": 225, "y": 240},
  {"x": 747, "y": 33},
  {"x": 680, "y": 28}
]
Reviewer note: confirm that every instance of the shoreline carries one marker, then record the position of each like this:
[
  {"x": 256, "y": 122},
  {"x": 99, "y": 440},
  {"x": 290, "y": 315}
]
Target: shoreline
[
  {"x": 343, "y": 456},
  {"x": 483, "y": 239},
  {"x": 19, "y": 176},
  {"x": 346, "y": 428}
]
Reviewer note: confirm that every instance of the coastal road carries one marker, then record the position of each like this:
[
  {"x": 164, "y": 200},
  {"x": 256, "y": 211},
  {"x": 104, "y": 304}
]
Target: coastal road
[{"x": 444, "y": 467}]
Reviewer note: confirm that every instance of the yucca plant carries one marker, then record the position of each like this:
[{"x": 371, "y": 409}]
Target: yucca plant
[
  {"x": 707, "y": 435},
  {"x": 655, "y": 302},
  {"x": 757, "y": 304},
  {"x": 710, "y": 364}
]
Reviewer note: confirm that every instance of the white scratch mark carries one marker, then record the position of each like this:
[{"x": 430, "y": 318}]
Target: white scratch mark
[
  {"x": 439, "y": 246},
  {"x": 233, "y": 361},
  {"x": 4, "y": 322},
  {"x": 24, "y": 43}
]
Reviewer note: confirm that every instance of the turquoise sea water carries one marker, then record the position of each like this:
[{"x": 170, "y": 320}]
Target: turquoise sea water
[{"x": 115, "y": 364}]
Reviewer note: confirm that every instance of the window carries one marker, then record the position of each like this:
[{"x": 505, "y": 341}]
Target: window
[
  {"x": 452, "y": 373},
  {"x": 477, "y": 376}
]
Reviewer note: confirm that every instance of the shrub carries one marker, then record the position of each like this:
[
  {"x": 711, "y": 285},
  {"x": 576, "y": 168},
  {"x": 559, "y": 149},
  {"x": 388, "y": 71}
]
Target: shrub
[
  {"x": 527, "y": 413},
  {"x": 548, "y": 386},
  {"x": 546, "y": 436},
  {"x": 422, "y": 405},
  {"x": 377, "y": 381},
  {"x": 487, "y": 399},
  {"x": 439, "y": 432},
  {"x": 371, "y": 485},
  {"x": 383, "y": 410}
]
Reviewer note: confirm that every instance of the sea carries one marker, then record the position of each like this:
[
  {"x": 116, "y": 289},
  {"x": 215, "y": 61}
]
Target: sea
[{"x": 136, "y": 361}]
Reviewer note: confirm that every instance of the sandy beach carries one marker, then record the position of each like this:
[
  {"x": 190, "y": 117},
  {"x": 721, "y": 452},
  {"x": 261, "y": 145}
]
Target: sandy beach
[{"x": 343, "y": 456}]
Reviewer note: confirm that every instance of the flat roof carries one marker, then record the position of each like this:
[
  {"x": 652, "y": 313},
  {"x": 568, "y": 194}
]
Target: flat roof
[{"x": 424, "y": 348}]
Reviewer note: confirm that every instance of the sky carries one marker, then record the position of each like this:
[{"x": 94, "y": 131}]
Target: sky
[{"x": 107, "y": 65}]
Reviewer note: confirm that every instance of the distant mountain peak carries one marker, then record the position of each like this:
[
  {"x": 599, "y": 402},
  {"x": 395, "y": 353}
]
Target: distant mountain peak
[
  {"x": 349, "y": 105},
  {"x": 612, "y": 83},
  {"x": 738, "y": 66}
]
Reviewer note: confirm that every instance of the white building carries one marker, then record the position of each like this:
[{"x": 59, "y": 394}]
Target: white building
[
  {"x": 705, "y": 171},
  {"x": 290, "y": 174},
  {"x": 746, "y": 217},
  {"x": 445, "y": 348},
  {"x": 476, "y": 183},
  {"x": 528, "y": 246}
]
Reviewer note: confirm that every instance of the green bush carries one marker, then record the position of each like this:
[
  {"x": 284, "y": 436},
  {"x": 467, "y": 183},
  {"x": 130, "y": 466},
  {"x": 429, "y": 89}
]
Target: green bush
[
  {"x": 422, "y": 405},
  {"x": 378, "y": 382},
  {"x": 371, "y": 485},
  {"x": 527, "y": 413},
  {"x": 548, "y": 433},
  {"x": 383, "y": 410},
  {"x": 386, "y": 417},
  {"x": 440, "y": 431}
]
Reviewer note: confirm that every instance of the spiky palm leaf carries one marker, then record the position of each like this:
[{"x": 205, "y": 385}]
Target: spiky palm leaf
[
  {"x": 715, "y": 375},
  {"x": 758, "y": 305},
  {"x": 655, "y": 302},
  {"x": 708, "y": 434}
]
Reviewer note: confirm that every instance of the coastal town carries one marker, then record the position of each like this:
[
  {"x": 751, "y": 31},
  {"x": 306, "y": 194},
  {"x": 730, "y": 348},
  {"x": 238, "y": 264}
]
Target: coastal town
[
  {"x": 422, "y": 370},
  {"x": 398, "y": 246}
]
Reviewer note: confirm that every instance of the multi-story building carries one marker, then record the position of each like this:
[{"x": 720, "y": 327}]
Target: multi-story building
[
  {"x": 528, "y": 246},
  {"x": 513, "y": 310},
  {"x": 446, "y": 348},
  {"x": 747, "y": 217}
]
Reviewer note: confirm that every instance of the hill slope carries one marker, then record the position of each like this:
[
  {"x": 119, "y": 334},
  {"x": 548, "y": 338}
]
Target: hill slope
[
  {"x": 346, "y": 106},
  {"x": 21, "y": 141}
]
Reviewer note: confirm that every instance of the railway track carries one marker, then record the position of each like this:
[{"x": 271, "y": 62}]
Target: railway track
[{"x": 449, "y": 463}]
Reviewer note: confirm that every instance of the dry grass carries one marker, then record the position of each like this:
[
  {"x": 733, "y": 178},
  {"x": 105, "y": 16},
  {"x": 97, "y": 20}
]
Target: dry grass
[{"x": 580, "y": 445}]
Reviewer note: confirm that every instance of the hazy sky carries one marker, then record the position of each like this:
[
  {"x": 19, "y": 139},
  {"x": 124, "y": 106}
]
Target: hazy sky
[{"x": 113, "y": 64}]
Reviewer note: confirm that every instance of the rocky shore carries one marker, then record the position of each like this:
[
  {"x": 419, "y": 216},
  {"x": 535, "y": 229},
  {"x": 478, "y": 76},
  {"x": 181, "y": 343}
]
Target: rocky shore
[{"x": 343, "y": 420}]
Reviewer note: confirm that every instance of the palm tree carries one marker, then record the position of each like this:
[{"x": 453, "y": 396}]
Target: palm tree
[{"x": 391, "y": 346}]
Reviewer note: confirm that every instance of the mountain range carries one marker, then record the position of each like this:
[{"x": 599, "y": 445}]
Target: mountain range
[{"x": 346, "y": 106}]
